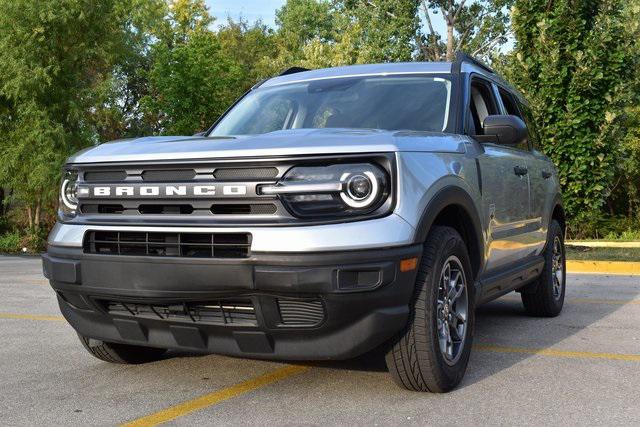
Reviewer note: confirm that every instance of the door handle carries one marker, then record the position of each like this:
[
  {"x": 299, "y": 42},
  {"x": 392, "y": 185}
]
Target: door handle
[
  {"x": 520, "y": 170},
  {"x": 546, "y": 174}
]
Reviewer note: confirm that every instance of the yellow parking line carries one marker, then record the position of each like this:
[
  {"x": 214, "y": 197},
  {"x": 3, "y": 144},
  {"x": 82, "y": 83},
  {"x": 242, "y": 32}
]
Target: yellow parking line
[
  {"x": 216, "y": 397},
  {"x": 560, "y": 353},
  {"x": 30, "y": 317},
  {"x": 625, "y": 268}
]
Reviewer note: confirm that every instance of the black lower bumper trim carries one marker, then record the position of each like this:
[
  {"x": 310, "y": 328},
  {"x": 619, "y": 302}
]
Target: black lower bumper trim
[{"x": 296, "y": 307}]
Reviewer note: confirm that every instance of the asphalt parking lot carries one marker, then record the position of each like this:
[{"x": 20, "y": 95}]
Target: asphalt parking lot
[{"x": 580, "y": 368}]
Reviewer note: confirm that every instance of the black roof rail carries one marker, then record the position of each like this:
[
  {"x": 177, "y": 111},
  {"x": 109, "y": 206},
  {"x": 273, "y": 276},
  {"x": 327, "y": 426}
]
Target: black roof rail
[
  {"x": 464, "y": 57},
  {"x": 293, "y": 70}
]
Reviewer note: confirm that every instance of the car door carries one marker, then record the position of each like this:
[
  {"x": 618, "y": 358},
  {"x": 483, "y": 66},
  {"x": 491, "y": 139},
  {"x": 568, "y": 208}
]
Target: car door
[
  {"x": 505, "y": 187},
  {"x": 542, "y": 178}
]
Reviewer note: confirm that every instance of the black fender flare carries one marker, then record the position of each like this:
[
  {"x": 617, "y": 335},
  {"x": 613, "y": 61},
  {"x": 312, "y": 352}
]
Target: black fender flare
[
  {"x": 456, "y": 196},
  {"x": 557, "y": 203}
]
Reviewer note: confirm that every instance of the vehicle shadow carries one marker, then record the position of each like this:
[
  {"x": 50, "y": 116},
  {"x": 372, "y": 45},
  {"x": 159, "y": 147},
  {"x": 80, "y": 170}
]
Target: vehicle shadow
[{"x": 504, "y": 323}]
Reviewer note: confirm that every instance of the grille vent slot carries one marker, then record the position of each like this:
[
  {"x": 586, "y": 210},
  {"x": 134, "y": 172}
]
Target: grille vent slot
[
  {"x": 105, "y": 176},
  {"x": 174, "y": 175},
  {"x": 244, "y": 209},
  {"x": 245, "y": 173},
  {"x": 101, "y": 209},
  {"x": 165, "y": 209},
  {"x": 190, "y": 245},
  {"x": 300, "y": 313},
  {"x": 221, "y": 312}
]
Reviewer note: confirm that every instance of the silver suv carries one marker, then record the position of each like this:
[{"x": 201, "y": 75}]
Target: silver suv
[{"x": 328, "y": 213}]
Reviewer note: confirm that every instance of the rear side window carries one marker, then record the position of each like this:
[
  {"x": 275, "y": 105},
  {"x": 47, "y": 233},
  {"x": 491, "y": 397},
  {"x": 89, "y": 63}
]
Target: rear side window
[
  {"x": 511, "y": 108},
  {"x": 510, "y": 104},
  {"x": 527, "y": 116}
]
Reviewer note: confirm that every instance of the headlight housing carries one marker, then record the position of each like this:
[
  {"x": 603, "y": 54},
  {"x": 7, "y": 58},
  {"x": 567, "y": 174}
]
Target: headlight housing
[
  {"x": 338, "y": 190},
  {"x": 68, "y": 205}
]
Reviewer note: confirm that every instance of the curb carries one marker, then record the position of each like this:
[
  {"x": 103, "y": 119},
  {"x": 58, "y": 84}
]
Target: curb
[{"x": 604, "y": 267}]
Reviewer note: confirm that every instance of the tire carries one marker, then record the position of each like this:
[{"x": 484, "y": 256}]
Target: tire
[
  {"x": 416, "y": 359},
  {"x": 545, "y": 297},
  {"x": 121, "y": 353}
]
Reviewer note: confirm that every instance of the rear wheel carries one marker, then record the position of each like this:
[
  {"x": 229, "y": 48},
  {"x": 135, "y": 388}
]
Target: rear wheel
[
  {"x": 545, "y": 298},
  {"x": 121, "y": 353},
  {"x": 432, "y": 353}
]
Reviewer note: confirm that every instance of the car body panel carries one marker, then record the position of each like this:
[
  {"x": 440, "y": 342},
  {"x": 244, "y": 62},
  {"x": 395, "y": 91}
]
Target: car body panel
[
  {"x": 348, "y": 268},
  {"x": 294, "y": 142}
]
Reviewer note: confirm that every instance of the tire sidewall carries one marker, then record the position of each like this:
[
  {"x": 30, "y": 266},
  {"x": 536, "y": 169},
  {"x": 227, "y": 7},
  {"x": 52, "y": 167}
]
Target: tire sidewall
[
  {"x": 452, "y": 374},
  {"x": 547, "y": 279}
]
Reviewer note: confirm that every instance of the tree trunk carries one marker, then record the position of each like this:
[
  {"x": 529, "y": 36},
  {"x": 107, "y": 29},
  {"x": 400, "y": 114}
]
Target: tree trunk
[
  {"x": 30, "y": 217},
  {"x": 450, "y": 52},
  {"x": 36, "y": 217}
]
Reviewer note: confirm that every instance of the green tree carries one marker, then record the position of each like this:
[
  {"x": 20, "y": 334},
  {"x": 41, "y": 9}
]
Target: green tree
[
  {"x": 301, "y": 21},
  {"x": 569, "y": 59},
  {"x": 192, "y": 80},
  {"x": 53, "y": 54},
  {"x": 478, "y": 28},
  {"x": 252, "y": 47}
]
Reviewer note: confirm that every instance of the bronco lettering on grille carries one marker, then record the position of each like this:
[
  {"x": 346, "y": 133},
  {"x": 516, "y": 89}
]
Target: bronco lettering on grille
[{"x": 162, "y": 190}]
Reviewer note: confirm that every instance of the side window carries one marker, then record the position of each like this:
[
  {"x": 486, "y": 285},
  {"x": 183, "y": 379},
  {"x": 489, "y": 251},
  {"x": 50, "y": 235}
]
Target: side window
[
  {"x": 481, "y": 105},
  {"x": 511, "y": 108},
  {"x": 527, "y": 116},
  {"x": 509, "y": 103}
]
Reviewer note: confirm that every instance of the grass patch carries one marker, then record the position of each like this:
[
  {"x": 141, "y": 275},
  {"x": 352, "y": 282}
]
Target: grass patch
[{"x": 602, "y": 254}]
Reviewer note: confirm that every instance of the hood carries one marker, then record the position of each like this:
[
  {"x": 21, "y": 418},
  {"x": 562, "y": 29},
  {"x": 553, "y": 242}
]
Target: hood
[{"x": 294, "y": 142}]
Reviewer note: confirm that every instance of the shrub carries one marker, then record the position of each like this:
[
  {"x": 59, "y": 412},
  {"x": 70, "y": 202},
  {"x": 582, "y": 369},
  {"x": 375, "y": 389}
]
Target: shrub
[{"x": 10, "y": 242}]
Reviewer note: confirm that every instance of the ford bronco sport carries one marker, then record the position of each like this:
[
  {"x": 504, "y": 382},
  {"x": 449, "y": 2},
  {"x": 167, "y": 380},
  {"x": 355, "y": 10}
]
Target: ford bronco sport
[{"x": 326, "y": 214}]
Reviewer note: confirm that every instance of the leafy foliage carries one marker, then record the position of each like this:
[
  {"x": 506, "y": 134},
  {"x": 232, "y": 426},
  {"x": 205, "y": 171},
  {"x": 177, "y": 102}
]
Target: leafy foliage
[
  {"x": 477, "y": 27},
  {"x": 75, "y": 73},
  {"x": 569, "y": 59},
  {"x": 53, "y": 57}
]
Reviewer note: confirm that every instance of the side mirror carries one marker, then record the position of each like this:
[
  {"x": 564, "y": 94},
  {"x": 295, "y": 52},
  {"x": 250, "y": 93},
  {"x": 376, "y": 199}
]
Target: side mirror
[{"x": 505, "y": 129}]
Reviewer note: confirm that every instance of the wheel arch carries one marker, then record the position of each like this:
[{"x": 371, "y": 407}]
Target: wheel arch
[
  {"x": 453, "y": 207},
  {"x": 558, "y": 214}
]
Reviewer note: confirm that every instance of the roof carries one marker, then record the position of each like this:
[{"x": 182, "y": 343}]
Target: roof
[{"x": 363, "y": 70}]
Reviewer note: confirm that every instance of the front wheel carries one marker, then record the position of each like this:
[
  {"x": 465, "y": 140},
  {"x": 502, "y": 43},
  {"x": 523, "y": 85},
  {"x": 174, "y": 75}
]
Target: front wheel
[
  {"x": 432, "y": 353},
  {"x": 545, "y": 297}
]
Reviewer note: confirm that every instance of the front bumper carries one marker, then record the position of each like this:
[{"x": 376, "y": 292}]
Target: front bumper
[{"x": 312, "y": 306}]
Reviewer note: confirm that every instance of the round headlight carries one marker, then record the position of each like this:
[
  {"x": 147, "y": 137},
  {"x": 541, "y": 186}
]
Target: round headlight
[
  {"x": 69, "y": 193},
  {"x": 361, "y": 189}
]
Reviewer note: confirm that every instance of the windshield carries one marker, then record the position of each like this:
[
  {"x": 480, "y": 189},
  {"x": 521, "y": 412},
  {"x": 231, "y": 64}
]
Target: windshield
[{"x": 417, "y": 103}]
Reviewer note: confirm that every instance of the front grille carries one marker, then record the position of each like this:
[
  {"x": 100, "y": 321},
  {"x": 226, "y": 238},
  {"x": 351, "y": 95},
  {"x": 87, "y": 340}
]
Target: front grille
[
  {"x": 178, "y": 174},
  {"x": 220, "y": 312},
  {"x": 190, "y": 245},
  {"x": 300, "y": 313}
]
